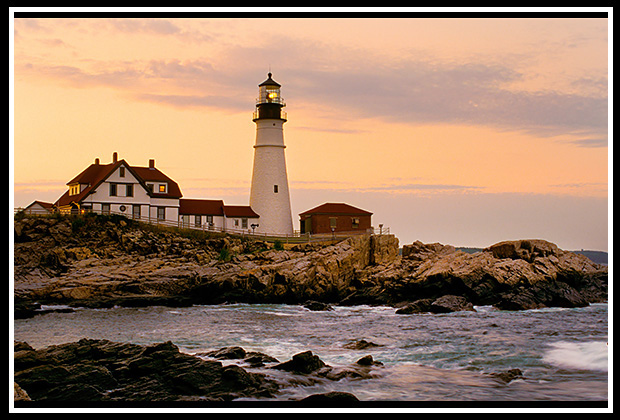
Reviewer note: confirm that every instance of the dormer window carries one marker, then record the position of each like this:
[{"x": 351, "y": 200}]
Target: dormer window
[
  {"x": 121, "y": 172},
  {"x": 74, "y": 189},
  {"x": 162, "y": 188}
]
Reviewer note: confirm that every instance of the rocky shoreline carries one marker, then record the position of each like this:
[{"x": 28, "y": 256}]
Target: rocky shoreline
[
  {"x": 104, "y": 372},
  {"x": 100, "y": 262},
  {"x": 103, "y": 261}
]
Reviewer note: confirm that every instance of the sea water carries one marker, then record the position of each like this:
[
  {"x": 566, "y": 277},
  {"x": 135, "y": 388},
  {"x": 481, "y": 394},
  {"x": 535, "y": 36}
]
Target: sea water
[{"x": 562, "y": 353}]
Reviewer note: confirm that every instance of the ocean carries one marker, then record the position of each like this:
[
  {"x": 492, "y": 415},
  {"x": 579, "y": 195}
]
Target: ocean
[{"x": 561, "y": 352}]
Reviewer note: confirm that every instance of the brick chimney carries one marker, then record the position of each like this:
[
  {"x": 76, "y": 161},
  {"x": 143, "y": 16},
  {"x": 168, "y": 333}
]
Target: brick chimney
[
  {"x": 96, "y": 161},
  {"x": 151, "y": 163},
  {"x": 114, "y": 157}
]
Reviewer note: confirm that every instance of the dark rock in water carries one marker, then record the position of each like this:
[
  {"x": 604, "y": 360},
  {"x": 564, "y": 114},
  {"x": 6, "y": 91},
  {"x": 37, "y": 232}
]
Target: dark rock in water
[
  {"x": 419, "y": 306},
  {"x": 101, "y": 370},
  {"x": 331, "y": 397},
  {"x": 304, "y": 363},
  {"x": 317, "y": 306},
  {"x": 368, "y": 361},
  {"x": 360, "y": 345},
  {"x": 509, "y": 375},
  {"x": 444, "y": 304},
  {"x": 451, "y": 303}
]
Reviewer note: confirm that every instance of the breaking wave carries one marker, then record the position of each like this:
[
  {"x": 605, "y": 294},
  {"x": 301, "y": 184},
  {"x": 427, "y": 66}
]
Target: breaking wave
[{"x": 583, "y": 356}]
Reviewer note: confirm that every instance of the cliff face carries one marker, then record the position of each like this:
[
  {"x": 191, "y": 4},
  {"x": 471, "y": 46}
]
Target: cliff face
[{"x": 101, "y": 261}]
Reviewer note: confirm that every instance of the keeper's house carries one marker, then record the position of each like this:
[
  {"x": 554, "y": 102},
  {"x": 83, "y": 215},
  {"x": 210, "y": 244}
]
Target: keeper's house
[
  {"x": 334, "y": 218},
  {"x": 148, "y": 194}
]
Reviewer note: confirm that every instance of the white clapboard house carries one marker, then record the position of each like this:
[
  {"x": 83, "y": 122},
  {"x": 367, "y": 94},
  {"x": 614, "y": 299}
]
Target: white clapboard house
[{"x": 148, "y": 194}]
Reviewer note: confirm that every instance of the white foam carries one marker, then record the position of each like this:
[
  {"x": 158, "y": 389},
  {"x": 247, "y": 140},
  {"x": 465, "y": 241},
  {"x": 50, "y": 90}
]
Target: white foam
[{"x": 584, "y": 356}]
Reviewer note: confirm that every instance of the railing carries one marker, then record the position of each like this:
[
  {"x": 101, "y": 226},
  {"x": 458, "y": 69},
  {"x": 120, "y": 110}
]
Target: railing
[{"x": 283, "y": 115}]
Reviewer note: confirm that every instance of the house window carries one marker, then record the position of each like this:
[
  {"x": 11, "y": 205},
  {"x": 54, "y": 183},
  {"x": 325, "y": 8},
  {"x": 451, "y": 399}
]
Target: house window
[
  {"x": 136, "y": 211},
  {"x": 275, "y": 189},
  {"x": 105, "y": 209},
  {"x": 197, "y": 220},
  {"x": 162, "y": 188},
  {"x": 244, "y": 223},
  {"x": 161, "y": 213},
  {"x": 112, "y": 190},
  {"x": 149, "y": 187},
  {"x": 210, "y": 220},
  {"x": 121, "y": 172},
  {"x": 332, "y": 222},
  {"x": 355, "y": 222},
  {"x": 129, "y": 190}
]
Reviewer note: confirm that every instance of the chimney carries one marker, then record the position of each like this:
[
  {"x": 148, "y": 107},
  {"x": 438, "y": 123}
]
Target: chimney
[
  {"x": 96, "y": 161},
  {"x": 151, "y": 163},
  {"x": 114, "y": 157}
]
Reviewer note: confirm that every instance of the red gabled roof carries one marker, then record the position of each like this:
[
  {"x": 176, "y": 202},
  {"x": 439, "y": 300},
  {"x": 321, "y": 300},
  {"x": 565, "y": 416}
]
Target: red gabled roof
[
  {"x": 42, "y": 204},
  {"x": 239, "y": 211},
  {"x": 96, "y": 173},
  {"x": 336, "y": 208},
  {"x": 201, "y": 207}
]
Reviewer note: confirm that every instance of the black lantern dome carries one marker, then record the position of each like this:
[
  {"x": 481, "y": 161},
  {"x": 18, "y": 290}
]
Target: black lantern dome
[{"x": 269, "y": 103}]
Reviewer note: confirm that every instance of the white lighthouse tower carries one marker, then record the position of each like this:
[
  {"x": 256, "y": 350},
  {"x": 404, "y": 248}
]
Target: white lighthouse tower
[{"x": 269, "y": 195}]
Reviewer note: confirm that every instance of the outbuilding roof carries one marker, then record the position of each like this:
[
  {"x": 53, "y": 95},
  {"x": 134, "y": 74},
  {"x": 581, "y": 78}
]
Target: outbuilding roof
[
  {"x": 201, "y": 207},
  {"x": 239, "y": 211},
  {"x": 336, "y": 208}
]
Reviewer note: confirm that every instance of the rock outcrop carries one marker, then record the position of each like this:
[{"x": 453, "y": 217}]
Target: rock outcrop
[
  {"x": 105, "y": 371},
  {"x": 100, "y": 261},
  {"x": 512, "y": 275},
  {"x": 101, "y": 370}
]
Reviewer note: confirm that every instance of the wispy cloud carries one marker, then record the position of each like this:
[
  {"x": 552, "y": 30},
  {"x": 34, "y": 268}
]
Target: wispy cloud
[{"x": 405, "y": 90}]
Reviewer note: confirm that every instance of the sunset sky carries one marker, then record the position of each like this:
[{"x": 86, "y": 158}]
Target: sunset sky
[{"x": 459, "y": 130}]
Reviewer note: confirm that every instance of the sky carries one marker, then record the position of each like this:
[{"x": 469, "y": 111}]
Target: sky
[{"x": 448, "y": 128}]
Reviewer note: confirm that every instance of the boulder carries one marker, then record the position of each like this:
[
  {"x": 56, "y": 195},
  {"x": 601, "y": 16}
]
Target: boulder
[
  {"x": 444, "y": 304},
  {"x": 304, "y": 363}
]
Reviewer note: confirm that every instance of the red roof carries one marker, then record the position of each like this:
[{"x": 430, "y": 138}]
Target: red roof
[
  {"x": 96, "y": 173},
  {"x": 42, "y": 204},
  {"x": 202, "y": 207},
  {"x": 336, "y": 208},
  {"x": 239, "y": 211}
]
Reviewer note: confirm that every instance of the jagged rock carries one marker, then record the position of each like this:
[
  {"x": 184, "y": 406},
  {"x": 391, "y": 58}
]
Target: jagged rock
[
  {"x": 101, "y": 370},
  {"x": 234, "y": 352},
  {"x": 419, "y": 251}
]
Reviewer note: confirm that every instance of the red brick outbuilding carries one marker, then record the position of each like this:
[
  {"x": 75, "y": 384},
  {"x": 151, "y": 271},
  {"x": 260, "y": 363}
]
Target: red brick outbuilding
[{"x": 340, "y": 217}]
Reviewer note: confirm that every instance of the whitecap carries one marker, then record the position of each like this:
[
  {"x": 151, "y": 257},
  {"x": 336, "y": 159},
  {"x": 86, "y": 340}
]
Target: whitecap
[{"x": 590, "y": 355}]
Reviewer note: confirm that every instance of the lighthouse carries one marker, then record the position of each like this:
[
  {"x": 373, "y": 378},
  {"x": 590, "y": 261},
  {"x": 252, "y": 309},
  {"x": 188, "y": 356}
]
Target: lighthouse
[{"x": 269, "y": 194}]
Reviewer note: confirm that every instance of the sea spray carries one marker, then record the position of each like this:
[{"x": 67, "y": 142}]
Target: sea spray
[{"x": 583, "y": 355}]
